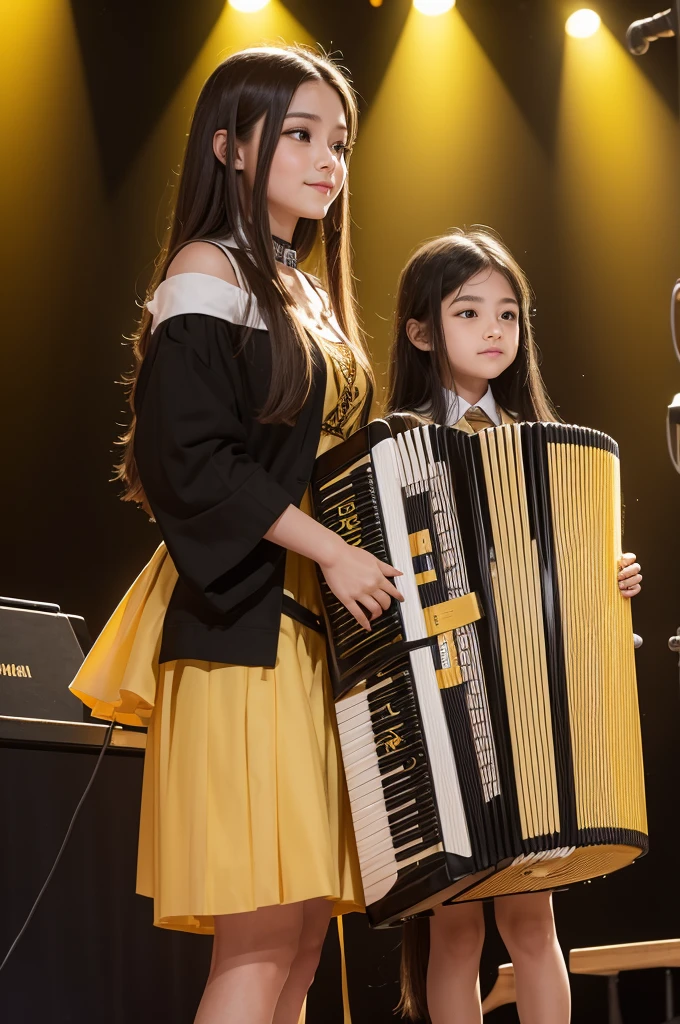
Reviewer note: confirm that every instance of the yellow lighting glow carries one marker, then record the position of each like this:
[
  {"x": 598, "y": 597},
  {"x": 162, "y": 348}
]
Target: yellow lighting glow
[
  {"x": 583, "y": 23},
  {"x": 433, "y": 7},
  {"x": 248, "y": 6}
]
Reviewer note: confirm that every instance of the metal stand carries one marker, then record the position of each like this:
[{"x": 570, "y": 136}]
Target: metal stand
[
  {"x": 613, "y": 1000},
  {"x": 670, "y": 1007}
]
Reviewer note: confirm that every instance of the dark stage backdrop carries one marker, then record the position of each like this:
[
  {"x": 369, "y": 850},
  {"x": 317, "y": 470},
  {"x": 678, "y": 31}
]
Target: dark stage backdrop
[{"x": 569, "y": 148}]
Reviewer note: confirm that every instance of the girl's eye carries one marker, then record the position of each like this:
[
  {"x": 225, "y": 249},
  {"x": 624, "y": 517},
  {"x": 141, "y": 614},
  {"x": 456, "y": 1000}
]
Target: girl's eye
[
  {"x": 508, "y": 315},
  {"x": 467, "y": 314},
  {"x": 306, "y": 137},
  {"x": 342, "y": 148}
]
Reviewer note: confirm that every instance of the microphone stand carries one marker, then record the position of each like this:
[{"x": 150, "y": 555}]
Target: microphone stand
[{"x": 647, "y": 30}]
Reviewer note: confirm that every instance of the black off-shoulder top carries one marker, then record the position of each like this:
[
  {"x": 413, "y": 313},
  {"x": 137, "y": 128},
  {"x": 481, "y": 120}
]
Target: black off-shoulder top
[{"x": 215, "y": 478}]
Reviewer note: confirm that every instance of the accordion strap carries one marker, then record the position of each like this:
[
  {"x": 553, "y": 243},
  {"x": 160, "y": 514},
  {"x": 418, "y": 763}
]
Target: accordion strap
[{"x": 294, "y": 610}]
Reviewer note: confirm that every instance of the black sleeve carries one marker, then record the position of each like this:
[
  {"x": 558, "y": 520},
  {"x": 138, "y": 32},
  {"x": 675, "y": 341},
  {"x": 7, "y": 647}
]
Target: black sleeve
[{"x": 212, "y": 500}]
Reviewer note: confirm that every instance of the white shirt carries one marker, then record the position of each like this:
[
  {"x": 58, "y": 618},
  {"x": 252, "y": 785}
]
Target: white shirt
[{"x": 456, "y": 407}]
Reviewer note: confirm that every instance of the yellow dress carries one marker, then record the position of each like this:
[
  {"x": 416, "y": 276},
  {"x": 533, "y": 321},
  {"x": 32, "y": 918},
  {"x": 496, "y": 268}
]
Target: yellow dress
[{"x": 244, "y": 801}]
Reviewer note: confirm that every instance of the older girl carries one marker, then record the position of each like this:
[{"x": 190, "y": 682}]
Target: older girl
[{"x": 245, "y": 370}]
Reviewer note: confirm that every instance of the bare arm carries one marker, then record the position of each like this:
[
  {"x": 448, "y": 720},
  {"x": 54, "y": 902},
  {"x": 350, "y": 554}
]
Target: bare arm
[{"x": 356, "y": 577}]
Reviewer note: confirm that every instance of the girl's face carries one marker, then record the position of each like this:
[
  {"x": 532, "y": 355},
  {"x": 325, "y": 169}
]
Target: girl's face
[
  {"x": 481, "y": 328},
  {"x": 308, "y": 169}
]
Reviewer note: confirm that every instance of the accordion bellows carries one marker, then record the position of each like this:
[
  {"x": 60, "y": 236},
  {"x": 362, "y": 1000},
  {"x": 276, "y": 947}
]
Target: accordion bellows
[{"x": 489, "y": 723}]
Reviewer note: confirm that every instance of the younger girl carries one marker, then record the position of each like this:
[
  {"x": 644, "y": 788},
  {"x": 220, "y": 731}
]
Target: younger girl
[
  {"x": 245, "y": 370},
  {"x": 462, "y": 326}
]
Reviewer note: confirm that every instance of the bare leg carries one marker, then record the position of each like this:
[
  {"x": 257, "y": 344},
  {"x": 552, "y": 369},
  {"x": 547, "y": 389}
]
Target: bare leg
[
  {"x": 317, "y": 914},
  {"x": 252, "y": 957},
  {"x": 527, "y": 927},
  {"x": 456, "y": 940}
]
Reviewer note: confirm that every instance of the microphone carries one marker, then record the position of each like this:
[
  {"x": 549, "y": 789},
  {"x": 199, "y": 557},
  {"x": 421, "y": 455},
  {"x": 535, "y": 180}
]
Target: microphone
[{"x": 643, "y": 32}]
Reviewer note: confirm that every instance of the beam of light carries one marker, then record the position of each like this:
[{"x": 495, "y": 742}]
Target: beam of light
[
  {"x": 582, "y": 24},
  {"x": 619, "y": 211},
  {"x": 442, "y": 144},
  {"x": 248, "y": 6},
  {"x": 433, "y": 7},
  {"x": 61, "y": 211}
]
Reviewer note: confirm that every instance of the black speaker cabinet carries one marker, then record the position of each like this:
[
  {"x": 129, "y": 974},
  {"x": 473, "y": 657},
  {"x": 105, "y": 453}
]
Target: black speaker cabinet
[{"x": 39, "y": 657}]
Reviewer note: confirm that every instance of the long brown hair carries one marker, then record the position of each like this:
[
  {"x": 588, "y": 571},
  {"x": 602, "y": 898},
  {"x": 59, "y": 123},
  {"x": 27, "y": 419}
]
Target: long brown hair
[
  {"x": 250, "y": 86},
  {"x": 437, "y": 269}
]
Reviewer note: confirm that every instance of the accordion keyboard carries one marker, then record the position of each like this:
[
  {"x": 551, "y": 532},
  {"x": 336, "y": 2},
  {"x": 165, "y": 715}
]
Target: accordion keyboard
[{"x": 405, "y": 802}]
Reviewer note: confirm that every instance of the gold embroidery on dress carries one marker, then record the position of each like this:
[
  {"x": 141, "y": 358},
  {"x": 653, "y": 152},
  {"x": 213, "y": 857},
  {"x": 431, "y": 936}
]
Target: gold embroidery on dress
[{"x": 340, "y": 421}]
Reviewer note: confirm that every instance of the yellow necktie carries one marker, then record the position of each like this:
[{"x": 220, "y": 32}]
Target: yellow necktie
[{"x": 478, "y": 419}]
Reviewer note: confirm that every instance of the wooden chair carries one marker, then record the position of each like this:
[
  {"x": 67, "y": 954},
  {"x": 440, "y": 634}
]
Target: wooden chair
[
  {"x": 609, "y": 961},
  {"x": 503, "y": 991}
]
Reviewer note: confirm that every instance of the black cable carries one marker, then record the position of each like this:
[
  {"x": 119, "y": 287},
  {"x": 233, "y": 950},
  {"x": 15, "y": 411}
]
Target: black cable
[{"x": 105, "y": 744}]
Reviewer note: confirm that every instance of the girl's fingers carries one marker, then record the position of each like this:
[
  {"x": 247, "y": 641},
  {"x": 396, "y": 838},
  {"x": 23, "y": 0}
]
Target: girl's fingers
[
  {"x": 389, "y": 588},
  {"x": 354, "y": 609},
  {"x": 629, "y": 584},
  {"x": 383, "y": 599},
  {"x": 630, "y": 570},
  {"x": 631, "y": 591},
  {"x": 389, "y": 570},
  {"x": 371, "y": 606},
  {"x": 626, "y": 559}
]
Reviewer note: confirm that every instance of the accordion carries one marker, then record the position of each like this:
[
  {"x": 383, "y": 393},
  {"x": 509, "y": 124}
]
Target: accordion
[{"x": 489, "y": 723}]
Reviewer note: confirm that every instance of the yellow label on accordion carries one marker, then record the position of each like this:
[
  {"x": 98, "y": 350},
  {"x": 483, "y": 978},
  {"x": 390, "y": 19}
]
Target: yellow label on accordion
[
  {"x": 429, "y": 576},
  {"x": 420, "y": 543},
  {"x": 459, "y": 611}
]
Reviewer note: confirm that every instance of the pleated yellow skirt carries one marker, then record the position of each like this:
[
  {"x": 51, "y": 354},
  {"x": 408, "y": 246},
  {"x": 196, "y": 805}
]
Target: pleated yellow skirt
[{"x": 244, "y": 802}]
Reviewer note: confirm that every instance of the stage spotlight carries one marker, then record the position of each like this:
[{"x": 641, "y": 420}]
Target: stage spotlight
[
  {"x": 433, "y": 7},
  {"x": 583, "y": 23},
  {"x": 376, "y": 3},
  {"x": 248, "y": 6}
]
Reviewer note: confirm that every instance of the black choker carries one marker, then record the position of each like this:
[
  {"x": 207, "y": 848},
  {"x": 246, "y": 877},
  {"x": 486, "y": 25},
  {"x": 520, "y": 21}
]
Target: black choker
[{"x": 284, "y": 252}]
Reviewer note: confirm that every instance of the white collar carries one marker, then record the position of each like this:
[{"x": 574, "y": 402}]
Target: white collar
[{"x": 456, "y": 407}]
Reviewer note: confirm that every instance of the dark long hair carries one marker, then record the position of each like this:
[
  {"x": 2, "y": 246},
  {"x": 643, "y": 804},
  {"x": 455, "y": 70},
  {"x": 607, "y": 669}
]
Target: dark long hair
[
  {"x": 437, "y": 269},
  {"x": 247, "y": 87},
  {"x": 415, "y": 956}
]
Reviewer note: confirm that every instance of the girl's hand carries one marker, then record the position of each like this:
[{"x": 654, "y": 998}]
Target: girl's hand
[
  {"x": 360, "y": 580},
  {"x": 629, "y": 576}
]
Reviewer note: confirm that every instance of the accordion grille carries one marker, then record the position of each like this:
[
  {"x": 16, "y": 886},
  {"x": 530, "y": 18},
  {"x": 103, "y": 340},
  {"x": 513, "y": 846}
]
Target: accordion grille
[
  {"x": 602, "y": 693},
  {"x": 517, "y": 594}
]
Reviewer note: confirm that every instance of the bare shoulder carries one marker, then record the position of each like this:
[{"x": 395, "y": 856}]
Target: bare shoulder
[{"x": 202, "y": 258}]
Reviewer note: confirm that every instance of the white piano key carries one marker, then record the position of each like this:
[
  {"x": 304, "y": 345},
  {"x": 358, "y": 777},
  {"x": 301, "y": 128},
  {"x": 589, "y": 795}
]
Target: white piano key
[
  {"x": 351, "y": 700},
  {"x": 378, "y": 890},
  {"x": 360, "y": 763},
  {"x": 368, "y": 816},
  {"x": 370, "y": 772},
  {"x": 372, "y": 826},
  {"x": 377, "y": 842},
  {"x": 360, "y": 754},
  {"x": 368, "y": 786},
  {"x": 372, "y": 796},
  {"x": 377, "y": 865},
  {"x": 350, "y": 714},
  {"x": 354, "y": 738}
]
